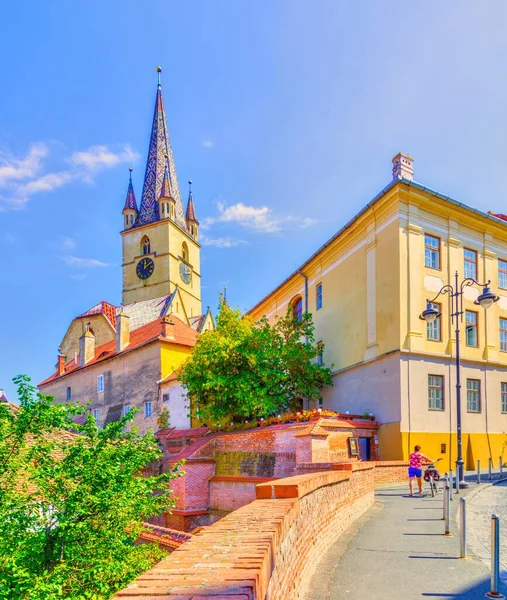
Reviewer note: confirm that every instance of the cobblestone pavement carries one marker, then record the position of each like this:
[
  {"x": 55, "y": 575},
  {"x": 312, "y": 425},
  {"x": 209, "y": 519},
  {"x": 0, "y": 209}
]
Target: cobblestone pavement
[{"x": 482, "y": 503}]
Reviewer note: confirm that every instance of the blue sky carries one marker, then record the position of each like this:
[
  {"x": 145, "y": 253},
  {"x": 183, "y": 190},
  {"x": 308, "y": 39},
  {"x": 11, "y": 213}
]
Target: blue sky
[{"x": 285, "y": 114}]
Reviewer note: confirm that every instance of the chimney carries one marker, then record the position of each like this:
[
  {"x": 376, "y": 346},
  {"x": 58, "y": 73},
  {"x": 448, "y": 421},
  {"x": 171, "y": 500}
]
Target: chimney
[
  {"x": 122, "y": 331},
  {"x": 60, "y": 365},
  {"x": 168, "y": 328},
  {"x": 86, "y": 346},
  {"x": 403, "y": 166}
]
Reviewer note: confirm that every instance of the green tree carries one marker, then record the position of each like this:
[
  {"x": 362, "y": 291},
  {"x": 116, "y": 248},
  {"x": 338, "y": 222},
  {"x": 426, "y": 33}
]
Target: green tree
[
  {"x": 247, "y": 370},
  {"x": 72, "y": 504}
]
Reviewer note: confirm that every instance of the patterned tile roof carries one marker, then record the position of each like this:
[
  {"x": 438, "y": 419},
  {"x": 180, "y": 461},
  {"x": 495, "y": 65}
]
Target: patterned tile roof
[
  {"x": 183, "y": 336},
  {"x": 130, "y": 201},
  {"x": 165, "y": 192},
  {"x": 146, "y": 311},
  {"x": 190, "y": 214},
  {"x": 197, "y": 322},
  {"x": 160, "y": 154}
]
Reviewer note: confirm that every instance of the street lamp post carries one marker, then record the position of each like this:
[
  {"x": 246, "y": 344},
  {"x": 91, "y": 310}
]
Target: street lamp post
[{"x": 486, "y": 299}]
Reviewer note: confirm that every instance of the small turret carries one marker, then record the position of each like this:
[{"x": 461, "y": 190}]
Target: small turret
[
  {"x": 130, "y": 209},
  {"x": 166, "y": 201},
  {"x": 191, "y": 219}
]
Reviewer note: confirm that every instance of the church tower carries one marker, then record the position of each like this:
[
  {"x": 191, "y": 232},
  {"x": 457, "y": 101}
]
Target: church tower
[{"x": 161, "y": 251}]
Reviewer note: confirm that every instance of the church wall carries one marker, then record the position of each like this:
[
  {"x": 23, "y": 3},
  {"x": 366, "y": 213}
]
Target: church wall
[
  {"x": 129, "y": 379},
  {"x": 102, "y": 330}
]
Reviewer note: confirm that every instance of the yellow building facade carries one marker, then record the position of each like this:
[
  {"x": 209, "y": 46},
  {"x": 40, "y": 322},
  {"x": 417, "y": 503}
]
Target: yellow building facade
[{"x": 366, "y": 289}]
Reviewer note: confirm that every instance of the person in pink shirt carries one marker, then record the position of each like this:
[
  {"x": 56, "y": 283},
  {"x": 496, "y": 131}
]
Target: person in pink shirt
[{"x": 415, "y": 469}]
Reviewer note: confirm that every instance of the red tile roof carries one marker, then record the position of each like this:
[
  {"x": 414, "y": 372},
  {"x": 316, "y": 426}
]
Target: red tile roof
[
  {"x": 108, "y": 310},
  {"x": 499, "y": 216},
  {"x": 183, "y": 336}
]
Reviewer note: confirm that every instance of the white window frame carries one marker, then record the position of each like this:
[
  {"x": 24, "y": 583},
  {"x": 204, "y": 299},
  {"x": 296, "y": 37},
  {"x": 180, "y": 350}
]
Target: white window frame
[
  {"x": 473, "y": 395},
  {"x": 503, "y": 334},
  {"x": 503, "y": 397},
  {"x": 100, "y": 383},
  {"x": 468, "y": 261},
  {"x": 147, "y": 410},
  {"x": 96, "y": 414},
  {"x": 318, "y": 298},
  {"x": 431, "y": 252},
  {"x": 126, "y": 410},
  {"x": 436, "y": 392},
  {"x": 435, "y": 327}
]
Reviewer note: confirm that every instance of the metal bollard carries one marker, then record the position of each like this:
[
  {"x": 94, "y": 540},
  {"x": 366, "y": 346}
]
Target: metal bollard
[
  {"x": 450, "y": 485},
  {"x": 495, "y": 558},
  {"x": 463, "y": 528},
  {"x": 489, "y": 468},
  {"x": 444, "y": 486},
  {"x": 478, "y": 471},
  {"x": 447, "y": 500}
]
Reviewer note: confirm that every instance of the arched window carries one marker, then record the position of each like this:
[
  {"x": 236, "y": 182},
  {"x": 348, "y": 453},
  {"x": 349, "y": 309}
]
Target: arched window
[
  {"x": 297, "y": 308},
  {"x": 145, "y": 245},
  {"x": 126, "y": 221},
  {"x": 131, "y": 219},
  {"x": 184, "y": 251}
]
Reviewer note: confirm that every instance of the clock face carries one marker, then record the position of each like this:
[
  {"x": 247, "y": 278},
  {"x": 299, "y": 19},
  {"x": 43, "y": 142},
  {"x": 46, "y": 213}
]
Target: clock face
[
  {"x": 145, "y": 268},
  {"x": 185, "y": 273}
]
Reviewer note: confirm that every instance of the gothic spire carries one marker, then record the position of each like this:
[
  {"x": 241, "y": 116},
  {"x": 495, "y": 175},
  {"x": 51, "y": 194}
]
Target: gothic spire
[
  {"x": 160, "y": 154},
  {"x": 190, "y": 213},
  {"x": 130, "y": 201},
  {"x": 165, "y": 191}
]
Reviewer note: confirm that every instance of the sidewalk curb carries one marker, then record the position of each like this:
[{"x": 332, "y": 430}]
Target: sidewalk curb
[{"x": 473, "y": 543}]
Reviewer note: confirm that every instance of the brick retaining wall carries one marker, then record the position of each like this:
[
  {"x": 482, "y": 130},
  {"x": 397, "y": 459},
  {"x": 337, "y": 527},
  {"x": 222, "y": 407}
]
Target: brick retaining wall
[
  {"x": 391, "y": 471},
  {"x": 266, "y": 548},
  {"x": 229, "y": 493}
]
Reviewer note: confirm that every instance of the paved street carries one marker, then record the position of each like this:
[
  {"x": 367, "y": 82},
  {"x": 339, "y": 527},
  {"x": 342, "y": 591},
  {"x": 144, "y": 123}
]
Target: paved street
[
  {"x": 398, "y": 551},
  {"x": 482, "y": 504}
]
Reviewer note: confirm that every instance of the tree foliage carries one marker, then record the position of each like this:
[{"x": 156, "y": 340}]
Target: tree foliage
[
  {"x": 247, "y": 370},
  {"x": 72, "y": 505}
]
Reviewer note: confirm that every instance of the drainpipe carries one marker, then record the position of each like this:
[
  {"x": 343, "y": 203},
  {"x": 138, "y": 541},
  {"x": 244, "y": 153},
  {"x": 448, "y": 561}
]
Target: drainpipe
[
  {"x": 306, "y": 296},
  {"x": 306, "y": 312}
]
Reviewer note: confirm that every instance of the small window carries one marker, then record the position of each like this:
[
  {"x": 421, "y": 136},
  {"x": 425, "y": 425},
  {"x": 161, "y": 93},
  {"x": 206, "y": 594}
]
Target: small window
[
  {"x": 184, "y": 251},
  {"x": 503, "y": 335},
  {"x": 96, "y": 414},
  {"x": 435, "y": 392},
  {"x": 473, "y": 395},
  {"x": 69, "y": 394},
  {"x": 321, "y": 402},
  {"x": 319, "y": 296},
  {"x": 145, "y": 245},
  {"x": 126, "y": 409},
  {"x": 126, "y": 220},
  {"x": 433, "y": 329},
  {"x": 503, "y": 406},
  {"x": 470, "y": 257},
  {"x": 100, "y": 383},
  {"x": 320, "y": 355},
  {"x": 131, "y": 219},
  {"x": 147, "y": 409},
  {"x": 471, "y": 328},
  {"x": 165, "y": 398},
  {"x": 297, "y": 309},
  {"x": 431, "y": 251},
  {"x": 502, "y": 274}
]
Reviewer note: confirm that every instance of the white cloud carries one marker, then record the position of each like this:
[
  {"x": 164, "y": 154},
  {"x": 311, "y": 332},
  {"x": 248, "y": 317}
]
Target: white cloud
[
  {"x": 68, "y": 243},
  {"x": 207, "y": 143},
  {"x": 21, "y": 178},
  {"x": 76, "y": 261},
  {"x": 15, "y": 169},
  {"x": 100, "y": 157},
  {"x": 223, "y": 242},
  {"x": 79, "y": 276},
  {"x": 260, "y": 219}
]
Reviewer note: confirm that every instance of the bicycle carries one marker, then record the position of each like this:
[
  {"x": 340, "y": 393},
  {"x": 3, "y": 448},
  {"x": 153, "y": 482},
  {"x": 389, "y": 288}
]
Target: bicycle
[{"x": 432, "y": 475}]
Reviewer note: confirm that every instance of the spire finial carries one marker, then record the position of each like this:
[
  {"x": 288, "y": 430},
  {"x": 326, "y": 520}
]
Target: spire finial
[
  {"x": 130, "y": 174},
  {"x": 159, "y": 70},
  {"x": 189, "y": 187}
]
